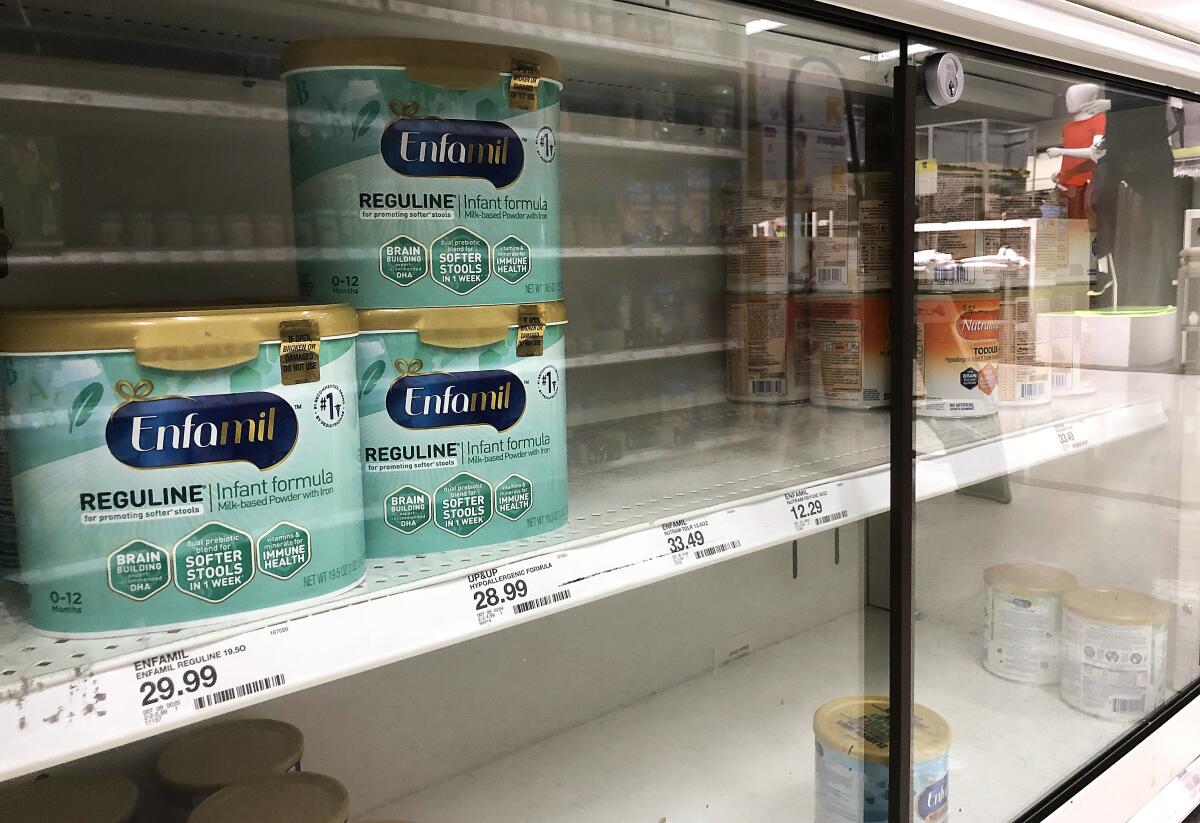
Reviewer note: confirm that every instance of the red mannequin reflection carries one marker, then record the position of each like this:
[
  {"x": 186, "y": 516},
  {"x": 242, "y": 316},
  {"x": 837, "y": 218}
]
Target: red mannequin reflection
[{"x": 1083, "y": 146}]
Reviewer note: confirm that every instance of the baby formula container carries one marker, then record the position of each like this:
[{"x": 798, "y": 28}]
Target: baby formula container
[
  {"x": 1022, "y": 620},
  {"x": 852, "y": 762},
  {"x": 957, "y": 348},
  {"x": 174, "y": 468},
  {"x": 1114, "y": 651},
  {"x": 100, "y": 799},
  {"x": 464, "y": 426},
  {"x": 439, "y": 163},
  {"x": 306, "y": 797},
  {"x": 1023, "y": 377},
  {"x": 850, "y": 339},
  {"x": 767, "y": 360},
  {"x": 1068, "y": 346},
  {"x": 207, "y": 759}
]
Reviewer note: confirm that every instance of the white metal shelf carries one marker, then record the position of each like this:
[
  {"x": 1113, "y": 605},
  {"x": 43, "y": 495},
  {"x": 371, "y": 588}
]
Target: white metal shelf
[
  {"x": 624, "y": 144},
  {"x": 580, "y": 43},
  {"x": 608, "y": 358},
  {"x": 750, "y": 723},
  {"x": 610, "y": 252},
  {"x": 63, "y": 699}
]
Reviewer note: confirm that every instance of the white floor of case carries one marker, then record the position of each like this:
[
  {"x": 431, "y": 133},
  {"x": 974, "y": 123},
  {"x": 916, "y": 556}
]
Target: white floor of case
[{"x": 737, "y": 743}]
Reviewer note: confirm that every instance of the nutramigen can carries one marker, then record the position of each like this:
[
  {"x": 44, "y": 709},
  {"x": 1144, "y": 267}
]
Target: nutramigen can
[
  {"x": 852, "y": 762},
  {"x": 1114, "y": 651},
  {"x": 181, "y": 467},
  {"x": 437, "y": 164},
  {"x": 1022, "y": 616},
  {"x": 463, "y": 426},
  {"x": 958, "y": 345},
  {"x": 850, "y": 338}
]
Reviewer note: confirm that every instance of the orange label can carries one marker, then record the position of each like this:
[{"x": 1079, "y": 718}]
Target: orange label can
[
  {"x": 851, "y": 344},
  {"x": 958, "y": 347}
]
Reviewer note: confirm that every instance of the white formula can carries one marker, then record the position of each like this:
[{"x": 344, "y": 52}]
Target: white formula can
[
  {"x": 1114, "y": 652},
  {"x": 1023, "y": 379},
  {"x": 852, "y": 762},
  {"x": 1022, "y": 620},
  {"x": 1068, "y": 345},
  {"x": 767, "y": 360}
]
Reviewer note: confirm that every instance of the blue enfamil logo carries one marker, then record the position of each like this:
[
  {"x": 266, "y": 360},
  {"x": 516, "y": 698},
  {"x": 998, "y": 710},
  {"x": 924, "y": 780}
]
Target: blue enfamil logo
[
  {"x": 453, "y": 148},
  {"x": 493, "y": 398},
  {"x": 932, "y": 799},
  {"x": 255, "y": 427}
]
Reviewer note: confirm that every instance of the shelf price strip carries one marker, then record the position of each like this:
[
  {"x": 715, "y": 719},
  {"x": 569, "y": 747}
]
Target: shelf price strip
[
  {"x": 819, "y": 506},
  {"x": 503, "y": 593}
]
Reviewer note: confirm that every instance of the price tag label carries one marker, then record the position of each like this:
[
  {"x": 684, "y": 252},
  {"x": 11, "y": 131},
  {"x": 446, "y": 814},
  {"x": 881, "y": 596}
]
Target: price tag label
[
  {"x": 186, "y": 681},
  {"x": 504, "y": 593},
  {"x": 1072, "y": 436},
  {"x": 815, "y": 507},
  {"x": 699, "y": 538},
  {"x": 927, "y": 175}
]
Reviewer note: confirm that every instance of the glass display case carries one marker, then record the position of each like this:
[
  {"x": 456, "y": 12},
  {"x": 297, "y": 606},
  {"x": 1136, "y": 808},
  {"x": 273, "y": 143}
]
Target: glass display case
[{"x": 584, "y": 410}]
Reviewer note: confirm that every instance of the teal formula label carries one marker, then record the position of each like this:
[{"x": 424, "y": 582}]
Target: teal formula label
[
  {"x": 149, "y": 498},
  {"x": 855, "y": 790},
  {"x": 461, "y": 447},
  {"x": 412, "y": 195}
]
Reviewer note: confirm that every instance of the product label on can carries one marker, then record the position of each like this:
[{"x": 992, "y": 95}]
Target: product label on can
[
  {"x": 853, "y": 790},
  {"x": 1023, "y": 374},
  {"x": 1112, "y": 670},
  {"x": 417, "y": 195},
  {"x": 957, "y": 349},
  {"x": 157, "y": 498},
  {"x": 1021, "y": 636},
  {"x": 461, "y": 447},
  {"x": 768, "y": 344},
  {"x": 850, "y": 340}
]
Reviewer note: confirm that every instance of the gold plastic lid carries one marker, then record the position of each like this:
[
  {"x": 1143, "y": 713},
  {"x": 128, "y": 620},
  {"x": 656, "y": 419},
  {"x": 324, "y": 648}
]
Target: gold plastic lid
[
  {"x": 213, "y": 757},
  {"x": 858, "y": 727},
  {"x": 306, "y": 797},
  {"x": 183, "y": 340},
  {"x": 1113, "y": 605},
  {"x": 457, "y": 327},
  {"x": 1030, "y": 579},
  {"x": 446, "y": 63},
  {"x": 105, "y": 799}
]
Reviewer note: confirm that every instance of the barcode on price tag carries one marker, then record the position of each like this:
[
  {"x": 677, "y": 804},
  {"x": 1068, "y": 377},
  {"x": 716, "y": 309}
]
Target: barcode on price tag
[
  {"x": 243, "y": 690},
  {"x": 717, "y": 549},
  {"x": 546, "y": 600}
]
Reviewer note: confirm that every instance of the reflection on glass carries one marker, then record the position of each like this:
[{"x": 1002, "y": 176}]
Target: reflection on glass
[{"x": 1050, "y": 216}]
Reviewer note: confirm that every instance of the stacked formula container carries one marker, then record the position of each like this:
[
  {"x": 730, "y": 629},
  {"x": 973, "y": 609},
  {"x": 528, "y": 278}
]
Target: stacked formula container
[
  {"x": 850, "y": 333},
  {"x": 992, "y": 271},
  {"x": 438, "y": 163},
  {"x": 767, "y": 308}
]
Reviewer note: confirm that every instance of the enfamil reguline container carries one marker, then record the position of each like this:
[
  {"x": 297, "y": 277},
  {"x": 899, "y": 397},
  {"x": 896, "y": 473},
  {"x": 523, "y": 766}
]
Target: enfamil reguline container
[
  {"x": 181, "y": 467},
  {"x": 464, "y": 426}
]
